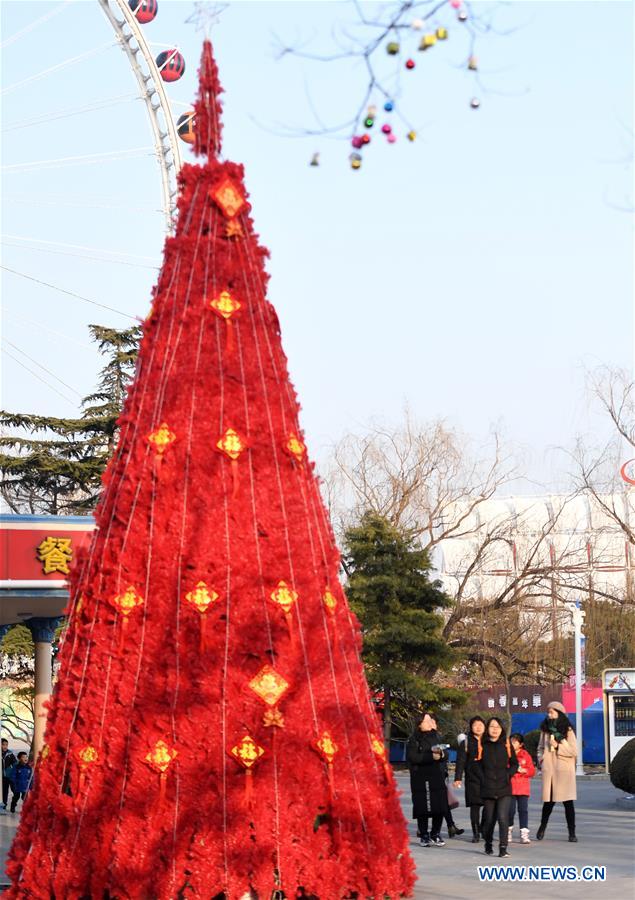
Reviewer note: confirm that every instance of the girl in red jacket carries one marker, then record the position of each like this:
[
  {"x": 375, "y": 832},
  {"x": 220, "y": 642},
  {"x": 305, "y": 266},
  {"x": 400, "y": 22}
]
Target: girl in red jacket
[{"x": 521, "y": 788}]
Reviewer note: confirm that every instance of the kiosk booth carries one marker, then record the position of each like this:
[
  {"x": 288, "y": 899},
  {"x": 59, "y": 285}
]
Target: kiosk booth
[{"x": 619, "y": 709}]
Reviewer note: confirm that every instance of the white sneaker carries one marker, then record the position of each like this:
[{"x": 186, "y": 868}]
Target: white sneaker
[
  {"x": 524, "y": 836},
  {"x": 510, "y": 834}
]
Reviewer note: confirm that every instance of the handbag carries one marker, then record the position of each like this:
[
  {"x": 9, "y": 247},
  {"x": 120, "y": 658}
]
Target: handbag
[{"x": 453, "y": 800}]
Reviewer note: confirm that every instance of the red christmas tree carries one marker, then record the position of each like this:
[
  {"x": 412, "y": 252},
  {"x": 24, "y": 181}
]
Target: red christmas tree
[{"x": 211, "y": 732}]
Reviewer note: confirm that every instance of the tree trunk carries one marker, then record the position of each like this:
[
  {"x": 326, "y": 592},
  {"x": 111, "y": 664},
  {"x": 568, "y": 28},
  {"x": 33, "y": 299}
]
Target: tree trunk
[{"x": 387, "y": 719}]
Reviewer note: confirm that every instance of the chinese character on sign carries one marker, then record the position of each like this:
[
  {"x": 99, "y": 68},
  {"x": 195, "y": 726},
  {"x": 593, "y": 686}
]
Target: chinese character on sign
[
  {"x": 55, "y": 555},
  {"x": 514, "y": 701},
  {"x": 490, "y": 703},
  {"x": 502, "y": 700},
  {"x": 524, "y": 703},
  {"x": 535, "y": 700}
]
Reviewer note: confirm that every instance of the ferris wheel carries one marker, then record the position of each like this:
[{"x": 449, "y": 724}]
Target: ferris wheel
[
  {"x": 84, "y": 223},
  {"x": 127, "y": 19}
]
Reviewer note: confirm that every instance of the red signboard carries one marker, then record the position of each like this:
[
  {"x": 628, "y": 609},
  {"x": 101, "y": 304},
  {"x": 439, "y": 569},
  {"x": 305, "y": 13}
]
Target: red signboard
[{"x": 41, "y": 548}]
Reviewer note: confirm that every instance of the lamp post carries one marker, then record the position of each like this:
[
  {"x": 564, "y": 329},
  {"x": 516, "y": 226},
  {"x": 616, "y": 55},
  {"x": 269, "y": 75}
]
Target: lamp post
[{"x": 577, "y": 617}]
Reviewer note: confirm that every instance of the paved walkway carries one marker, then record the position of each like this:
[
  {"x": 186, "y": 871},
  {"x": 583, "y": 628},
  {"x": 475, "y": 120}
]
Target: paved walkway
[{"x": 606, "y": 838}]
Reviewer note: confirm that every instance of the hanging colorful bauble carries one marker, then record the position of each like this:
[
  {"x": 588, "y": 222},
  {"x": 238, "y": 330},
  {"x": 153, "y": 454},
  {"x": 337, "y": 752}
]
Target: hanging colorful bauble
[
  {"x": 160, "y": 758},
  {"x": 365, "y": 139},
  {"x": 357, "y": 142},
  {"x": 472, "y": 64},
  {"x": 355, "y": 160},
  {"x": 161, "y": 438},
  {"x": 369, "y": 122},
  {"x": 442, "y": 34},
  {"x": 412, "y": 135},
  {"x": 392, "y": 138},
  {"x": 386, "y": 129},
  {"x": 475, "y": 103},
  {"x": 171, "y": 65},
  {"x": 389, "y": 106},
  {"x": 144, "y": 11},
  {"x": 410, "y": 64},
  {"x": 427, "y": 41},
  {"x": 371, "y": 111},
  {"x": 392, "y": 47},
  {"x": 462, "y": 16},
  {"x": 417, "y": 24},
  {"x": 232, "y": 444},
  {"x": 228, "y": 196},
  {"x": 185, "y": 127},
  {"x": 455, "y": 4}
]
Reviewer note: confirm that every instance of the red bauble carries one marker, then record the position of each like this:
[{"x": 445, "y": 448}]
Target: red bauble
[{"x": 410, "y": 64}]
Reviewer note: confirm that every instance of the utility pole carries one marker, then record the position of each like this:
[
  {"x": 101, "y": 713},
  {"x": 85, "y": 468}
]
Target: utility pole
[{"x": 577, "y": 617}]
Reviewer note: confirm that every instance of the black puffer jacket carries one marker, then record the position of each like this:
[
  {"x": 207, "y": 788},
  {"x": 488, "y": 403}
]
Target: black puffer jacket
[
  {"x": 467, "y": 770},
  {"x": 427, "y": 779},
  {"x": 496, "y": 767}
]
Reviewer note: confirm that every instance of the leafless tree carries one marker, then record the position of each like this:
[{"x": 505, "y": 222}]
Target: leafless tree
[
  {"x": 18, "y": 714},
  {"x": 510, "y": 568},
  {"x": 603, "y": 472}
]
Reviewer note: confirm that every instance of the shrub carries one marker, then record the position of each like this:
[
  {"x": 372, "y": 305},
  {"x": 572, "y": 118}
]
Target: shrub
[
  {"x": 531, "y": 743},
  {"x": 622, "y": 768}
]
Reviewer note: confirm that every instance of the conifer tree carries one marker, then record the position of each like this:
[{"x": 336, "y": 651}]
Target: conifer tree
[
  {"x": 211, "y": 733},
  {"x": 400, "y": 609},
  {"x": 54, "y": 466}
]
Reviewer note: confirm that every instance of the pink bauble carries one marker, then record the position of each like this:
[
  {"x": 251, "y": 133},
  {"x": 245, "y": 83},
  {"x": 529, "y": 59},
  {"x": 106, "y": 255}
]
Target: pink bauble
[
  {"x": 392, "y": 138},
  {"x": 386, "y": 128},
  {"x": 357, "y": 142},
  {"x": 455, "y": 3}
]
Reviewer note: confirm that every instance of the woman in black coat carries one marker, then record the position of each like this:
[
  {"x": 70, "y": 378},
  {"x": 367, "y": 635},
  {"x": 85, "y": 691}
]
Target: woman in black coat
[
  {"x": 427, "y": 781},
  {"x": 496, "y": 767},
  {"x": 467, "y": 770}
]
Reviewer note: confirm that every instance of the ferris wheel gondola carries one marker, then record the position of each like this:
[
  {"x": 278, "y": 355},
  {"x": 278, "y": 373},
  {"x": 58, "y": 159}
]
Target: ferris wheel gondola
[{"x": 152, "y": 74}]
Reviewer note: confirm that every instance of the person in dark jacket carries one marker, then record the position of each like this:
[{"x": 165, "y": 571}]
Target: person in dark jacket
[
  {"x": 427, "y": 782},
  {"x": 466, "y": 769},
  {"x": 496, "y": 767},
  {"x": 21, "y": 776},
  {"x": 8, "y": 761}
]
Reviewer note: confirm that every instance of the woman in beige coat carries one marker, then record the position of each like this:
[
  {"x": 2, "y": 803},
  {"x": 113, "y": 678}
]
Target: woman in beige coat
[{"x": 557, "y": 752}]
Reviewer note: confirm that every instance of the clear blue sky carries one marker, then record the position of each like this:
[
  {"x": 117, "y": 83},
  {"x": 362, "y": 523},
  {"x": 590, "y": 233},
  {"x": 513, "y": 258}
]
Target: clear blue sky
[{"x": 471, "y": 275}]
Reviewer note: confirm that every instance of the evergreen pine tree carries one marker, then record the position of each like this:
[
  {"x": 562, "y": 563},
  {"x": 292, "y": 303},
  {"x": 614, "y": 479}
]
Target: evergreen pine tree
[
  {"x": 400, "y": 610},
  {"x": 54, "y": 466}
]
